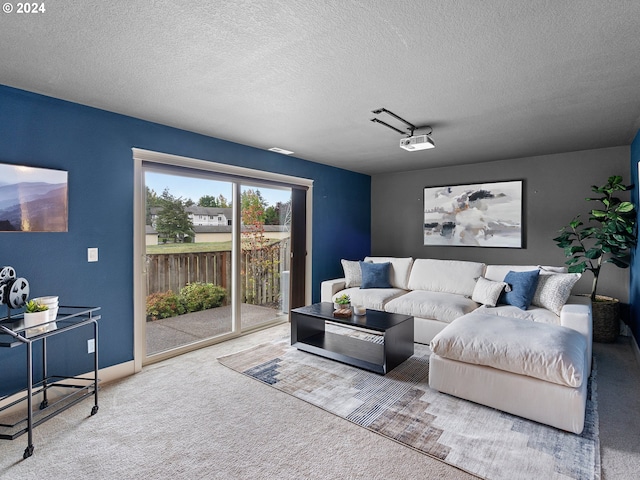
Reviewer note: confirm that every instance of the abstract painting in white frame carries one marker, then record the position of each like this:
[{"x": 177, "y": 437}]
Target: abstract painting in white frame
[
  {"x": 474, "y": 215},
  {"x": 33, "y": 199}
]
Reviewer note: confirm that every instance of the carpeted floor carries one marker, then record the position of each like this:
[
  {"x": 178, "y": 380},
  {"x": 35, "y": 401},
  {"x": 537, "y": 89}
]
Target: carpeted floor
[
  {"x": 401, "y": 406},
  {"x": 191, "y": 417}
]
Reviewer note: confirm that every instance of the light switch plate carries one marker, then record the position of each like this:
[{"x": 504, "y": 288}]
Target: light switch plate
[{"x": 92, "y": 254}]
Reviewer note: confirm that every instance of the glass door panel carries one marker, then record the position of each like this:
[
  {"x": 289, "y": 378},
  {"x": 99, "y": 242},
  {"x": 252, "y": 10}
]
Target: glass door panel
[
  {"x": 265, "y": 256},
  {"x": 188, "y": 259}
]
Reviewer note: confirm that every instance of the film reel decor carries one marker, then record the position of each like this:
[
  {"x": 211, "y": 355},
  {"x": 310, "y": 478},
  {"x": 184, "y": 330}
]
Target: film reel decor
[
  {"x": 18, "y": 293},
  {"x": 6, "y": 274},
  {"x": 14, "y": 291}
]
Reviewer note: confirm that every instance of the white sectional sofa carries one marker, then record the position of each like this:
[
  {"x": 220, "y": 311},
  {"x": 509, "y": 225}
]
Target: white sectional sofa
[
  {"x": 532, "y": 359},
  {"x": 436, "y": 292}
]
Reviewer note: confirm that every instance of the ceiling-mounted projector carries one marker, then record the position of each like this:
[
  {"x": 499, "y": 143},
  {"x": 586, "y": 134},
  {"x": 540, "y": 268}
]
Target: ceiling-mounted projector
[
  {"x": 417, "y": 142},
  {"x": 412, "y": 143}
]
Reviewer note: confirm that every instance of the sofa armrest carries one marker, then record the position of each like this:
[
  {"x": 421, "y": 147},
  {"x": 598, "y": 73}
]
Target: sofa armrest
[
  {"x": 329, "y": 288},
  {"x": 576, "y": 314}
]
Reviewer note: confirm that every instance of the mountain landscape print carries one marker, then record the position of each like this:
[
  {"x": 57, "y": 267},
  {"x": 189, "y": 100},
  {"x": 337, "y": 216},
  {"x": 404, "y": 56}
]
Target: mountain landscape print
[{"x": 32, "y": 199}]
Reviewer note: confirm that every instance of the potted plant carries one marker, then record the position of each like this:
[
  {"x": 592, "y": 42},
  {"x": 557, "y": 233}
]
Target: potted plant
[
  {"x": 35, "y": 313},
  {"x": 343, "y": 301},
  {"x": 608, "y": 238}
]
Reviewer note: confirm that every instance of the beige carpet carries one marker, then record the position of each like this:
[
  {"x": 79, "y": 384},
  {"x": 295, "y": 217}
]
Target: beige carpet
[
  {"x": 192, "y": 418},
  {"x": 400, "y": 405}
]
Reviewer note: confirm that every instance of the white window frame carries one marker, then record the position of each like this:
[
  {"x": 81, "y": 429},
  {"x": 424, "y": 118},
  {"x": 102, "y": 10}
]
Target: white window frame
[{"x": 253, "y": 177}]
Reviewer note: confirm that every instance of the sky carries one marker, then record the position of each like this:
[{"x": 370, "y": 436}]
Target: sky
[
  {"x": 194, "y": 188},
  {"x": 18, "y": 173}
]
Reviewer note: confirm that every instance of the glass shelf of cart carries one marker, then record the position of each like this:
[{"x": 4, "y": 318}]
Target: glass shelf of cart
[{"x": 68, "y": 317}]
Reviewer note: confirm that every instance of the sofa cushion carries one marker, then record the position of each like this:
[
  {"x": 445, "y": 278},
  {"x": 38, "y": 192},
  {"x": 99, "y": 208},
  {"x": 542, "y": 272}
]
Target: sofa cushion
[
  {"x": 498, "y": 272},
  {"x": 444, "y": 307},
  {"x": 352, "y": 273},
  {"x": 487, "y": 292},
  {"x": 553, "y": 290},
  {"x": 551, "y": 353},
  {"x": 375, "y": 275},
  {"x": 400, "y": 269},
  {"x": 447, "y": 276},
  {"x": 373, "y": 298},
  {"x": 531, "y": 314},
  {"x": 522, "y": 288}
]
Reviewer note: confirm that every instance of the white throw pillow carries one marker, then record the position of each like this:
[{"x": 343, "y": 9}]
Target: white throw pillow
[
  {"x": 553, "y": 290},
  {"x": 352, "y": 273},
  {"x": 487, "y": 292}
]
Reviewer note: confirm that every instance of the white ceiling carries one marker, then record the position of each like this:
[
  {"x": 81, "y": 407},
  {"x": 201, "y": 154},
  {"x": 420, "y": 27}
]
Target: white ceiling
[{"x": 496, "y": 79}]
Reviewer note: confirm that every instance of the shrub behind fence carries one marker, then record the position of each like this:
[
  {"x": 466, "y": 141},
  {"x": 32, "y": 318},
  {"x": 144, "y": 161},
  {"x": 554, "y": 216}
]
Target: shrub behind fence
[{"x": 172, "y": 271}]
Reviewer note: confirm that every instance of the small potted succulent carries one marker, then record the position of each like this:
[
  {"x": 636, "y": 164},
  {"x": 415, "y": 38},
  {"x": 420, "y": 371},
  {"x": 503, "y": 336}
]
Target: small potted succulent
[
  {"x": 343, "y": 301},
  {"x": 35, "y": 313}
]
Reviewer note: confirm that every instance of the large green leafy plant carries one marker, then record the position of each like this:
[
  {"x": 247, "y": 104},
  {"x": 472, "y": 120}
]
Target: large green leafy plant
[{"x": 609, "y": 236}]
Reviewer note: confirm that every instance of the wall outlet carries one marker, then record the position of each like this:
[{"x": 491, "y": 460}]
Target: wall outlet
[
  {"x": 91, "y": 345},
  {"x": 92, "y": 254}
]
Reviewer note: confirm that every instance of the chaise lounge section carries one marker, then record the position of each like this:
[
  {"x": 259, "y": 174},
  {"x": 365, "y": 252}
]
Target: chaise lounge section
[{"x": 534, "y": 370}]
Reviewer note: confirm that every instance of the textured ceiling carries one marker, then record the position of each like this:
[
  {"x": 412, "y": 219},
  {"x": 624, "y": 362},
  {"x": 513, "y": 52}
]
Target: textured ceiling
[{"x": 495, "y": 79}]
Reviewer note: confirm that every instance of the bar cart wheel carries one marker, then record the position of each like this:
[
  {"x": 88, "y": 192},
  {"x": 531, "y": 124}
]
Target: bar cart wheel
[
  {"x": 94, "y": 410},
  {"x": 28, "y": 452},
  {"x": 44, "y": 404}
]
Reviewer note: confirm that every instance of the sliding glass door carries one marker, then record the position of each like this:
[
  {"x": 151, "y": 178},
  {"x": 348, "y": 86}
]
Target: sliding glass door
[
  {"x": 189, "y": 252},
  {"x": 265, "y": 255},
  {"x": 216, "y": 258}
]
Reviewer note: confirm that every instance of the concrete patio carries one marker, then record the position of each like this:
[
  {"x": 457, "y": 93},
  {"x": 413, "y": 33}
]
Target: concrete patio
[{"x": 174, "y": 332}]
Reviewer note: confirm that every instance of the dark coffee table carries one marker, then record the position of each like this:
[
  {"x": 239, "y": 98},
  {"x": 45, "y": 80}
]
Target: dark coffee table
[{"x": 308, "y": 334}]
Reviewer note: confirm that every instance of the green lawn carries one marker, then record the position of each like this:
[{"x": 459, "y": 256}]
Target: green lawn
[
  {"x": 189, "y": 247},
  {"x": 194, "y": 247}
]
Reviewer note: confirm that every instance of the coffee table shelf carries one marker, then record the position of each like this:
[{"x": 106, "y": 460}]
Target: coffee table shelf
[{"x": 308, "y": 334}]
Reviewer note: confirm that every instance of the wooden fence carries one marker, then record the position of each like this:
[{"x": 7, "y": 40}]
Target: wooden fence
[{"x": 260, "y": 280}]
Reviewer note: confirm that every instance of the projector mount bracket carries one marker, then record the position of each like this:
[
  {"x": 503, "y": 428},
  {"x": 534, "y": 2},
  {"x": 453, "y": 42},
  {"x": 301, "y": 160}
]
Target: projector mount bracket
[{"x": 411, "y": 126}]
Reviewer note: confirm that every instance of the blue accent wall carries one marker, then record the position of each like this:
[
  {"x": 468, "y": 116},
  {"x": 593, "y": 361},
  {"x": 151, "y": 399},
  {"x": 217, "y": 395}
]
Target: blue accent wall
[
  {"x": 634, "y": 286},
  {"x": 94, "y": 146}
]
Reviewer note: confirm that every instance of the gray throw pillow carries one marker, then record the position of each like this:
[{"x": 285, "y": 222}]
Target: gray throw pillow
[
  {"x": 553, "y": 290},
  {"x": 352, "y": 273}
]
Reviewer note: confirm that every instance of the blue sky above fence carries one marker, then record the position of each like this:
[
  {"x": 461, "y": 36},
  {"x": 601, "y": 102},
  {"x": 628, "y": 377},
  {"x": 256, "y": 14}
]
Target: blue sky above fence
[{"x": 195, "y": 188}]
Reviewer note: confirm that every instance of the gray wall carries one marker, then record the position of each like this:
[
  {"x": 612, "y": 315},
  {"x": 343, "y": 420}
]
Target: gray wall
[{"x": 555, "y": 187}]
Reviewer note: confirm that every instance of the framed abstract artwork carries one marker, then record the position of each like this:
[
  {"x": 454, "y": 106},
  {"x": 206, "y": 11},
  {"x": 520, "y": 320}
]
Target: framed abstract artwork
[
  {"x": 32, "y": 199},
  {"x": 474, "y": 215}
]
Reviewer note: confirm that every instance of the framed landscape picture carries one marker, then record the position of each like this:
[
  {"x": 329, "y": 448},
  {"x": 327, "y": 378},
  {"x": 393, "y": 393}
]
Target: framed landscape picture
[
  {"x": 474, "y": 215},
  {"x": 32, "y": 199}
]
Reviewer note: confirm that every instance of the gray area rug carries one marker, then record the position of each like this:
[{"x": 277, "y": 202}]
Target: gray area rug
[{"x": 401, "y": 406}]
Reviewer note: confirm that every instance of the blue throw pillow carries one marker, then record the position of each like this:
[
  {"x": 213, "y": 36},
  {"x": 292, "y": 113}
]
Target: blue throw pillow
[
  {"x": 523, "y": 287},
  {"x": 375, "y": 275}
]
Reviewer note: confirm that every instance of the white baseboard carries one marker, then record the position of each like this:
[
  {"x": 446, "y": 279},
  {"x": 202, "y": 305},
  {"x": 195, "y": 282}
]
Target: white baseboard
[{"x": 116, "y": 372}]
